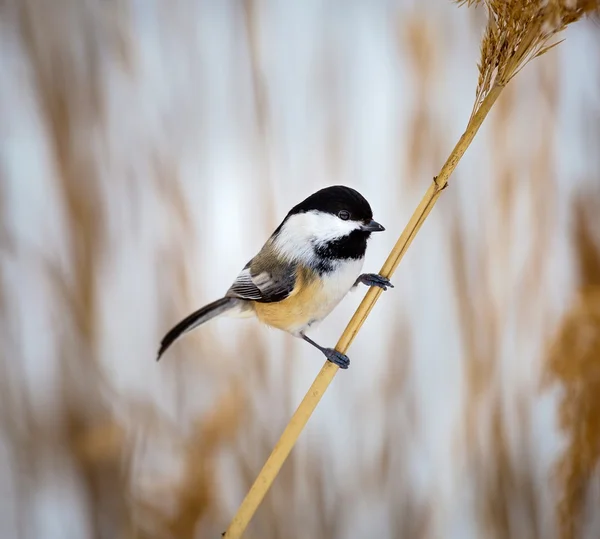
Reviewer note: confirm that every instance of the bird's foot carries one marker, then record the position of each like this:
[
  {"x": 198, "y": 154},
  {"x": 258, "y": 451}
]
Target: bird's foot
[
  {"x": 337, "y": 358},
  {"x": 374, "y": 279}
]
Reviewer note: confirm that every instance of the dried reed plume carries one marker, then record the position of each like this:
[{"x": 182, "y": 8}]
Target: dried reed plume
[{"x": 519, "y": 31}]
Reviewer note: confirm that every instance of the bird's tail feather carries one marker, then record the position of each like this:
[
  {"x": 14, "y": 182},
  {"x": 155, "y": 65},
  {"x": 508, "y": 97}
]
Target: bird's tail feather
[{"x": 206, "y": 313}]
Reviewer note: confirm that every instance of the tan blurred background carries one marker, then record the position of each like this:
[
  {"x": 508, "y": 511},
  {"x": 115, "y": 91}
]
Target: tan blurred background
[{"x": 148, "y": 148}]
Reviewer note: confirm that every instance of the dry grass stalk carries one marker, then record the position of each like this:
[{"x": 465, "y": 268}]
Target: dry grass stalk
[
  {"x": 506, "y": 492},
  {"x": 419, "y": 43},
  {"x": 70, "y": 104},
  {"x": 250, "y": 16},
  {"x": 574, "y": 362},
  {"x": 87, "y": 433},
  {"x": 516, "y": 33},
  {"x": 505, "y": 495},
  {"x": 496, "y": 436},
  {"x": 411, "y": 517},
  {"x": 195, "y": 496}
]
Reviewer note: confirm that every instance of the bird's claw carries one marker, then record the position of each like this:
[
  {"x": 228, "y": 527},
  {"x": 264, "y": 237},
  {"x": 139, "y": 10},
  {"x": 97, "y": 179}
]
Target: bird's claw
[
  {"x": 337, "y": 358},
  {"x": 374, "y": 279}
]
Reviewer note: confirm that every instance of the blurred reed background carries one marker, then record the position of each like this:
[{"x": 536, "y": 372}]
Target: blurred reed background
[{"x": 148, "y": 149}]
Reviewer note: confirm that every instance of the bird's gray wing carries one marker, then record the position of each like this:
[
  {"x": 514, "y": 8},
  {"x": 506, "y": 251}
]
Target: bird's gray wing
[{"x": 264, "y": 282}]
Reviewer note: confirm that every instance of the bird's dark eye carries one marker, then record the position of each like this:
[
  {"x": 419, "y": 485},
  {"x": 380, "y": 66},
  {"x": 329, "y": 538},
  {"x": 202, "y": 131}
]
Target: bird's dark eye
[{"x": 344, "y": 215}]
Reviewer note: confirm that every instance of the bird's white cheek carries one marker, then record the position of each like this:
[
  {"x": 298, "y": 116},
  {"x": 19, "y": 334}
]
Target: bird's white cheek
[{"x": 302, "y": 232}]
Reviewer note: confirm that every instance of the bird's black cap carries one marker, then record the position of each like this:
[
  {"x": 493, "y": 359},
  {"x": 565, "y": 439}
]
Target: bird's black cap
[{"x": 335, "y": 199}]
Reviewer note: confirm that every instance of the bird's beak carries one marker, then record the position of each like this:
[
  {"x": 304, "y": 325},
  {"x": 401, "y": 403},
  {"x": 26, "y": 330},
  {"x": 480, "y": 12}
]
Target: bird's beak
[{"x": 372, "y": 226}]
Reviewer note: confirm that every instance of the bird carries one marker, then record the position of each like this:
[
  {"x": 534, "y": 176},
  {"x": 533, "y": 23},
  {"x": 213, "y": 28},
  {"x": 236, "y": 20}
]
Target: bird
[{"x": 306, "y": 267}]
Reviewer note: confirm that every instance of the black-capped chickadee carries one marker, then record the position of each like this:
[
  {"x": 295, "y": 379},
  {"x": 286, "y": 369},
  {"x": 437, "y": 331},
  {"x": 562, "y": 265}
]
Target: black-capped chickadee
[{"x": 311, "y": 261}]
